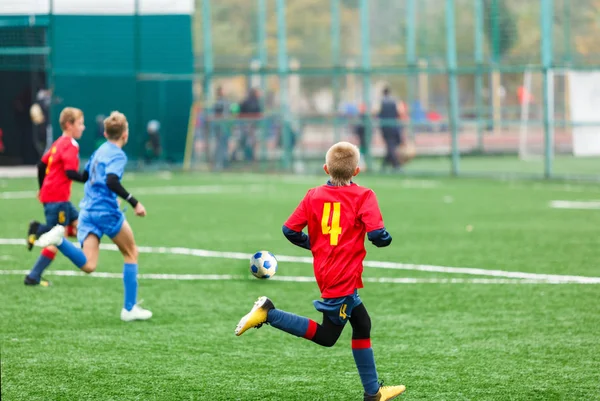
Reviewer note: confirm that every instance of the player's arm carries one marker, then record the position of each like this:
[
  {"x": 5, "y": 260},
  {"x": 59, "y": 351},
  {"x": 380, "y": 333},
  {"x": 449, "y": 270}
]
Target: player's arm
[
  {"x": 42, "y": 166},
  {"x": 71, "y": 162},
  {"x": 292, "y": 229},
  {"x": 298, "y": 238},
  {"x": 370, "y": 215},
  {"x": 75, "y": 175},
  {"x": 114, "y": 184},
  {"x": 380, "y": 238},
  {"x": 41, "y": 172},
  {"x": 114, "y": 171}
]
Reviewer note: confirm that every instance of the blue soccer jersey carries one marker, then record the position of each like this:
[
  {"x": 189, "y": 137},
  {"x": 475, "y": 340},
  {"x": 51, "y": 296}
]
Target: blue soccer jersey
[{"x": 107, "y": 159}]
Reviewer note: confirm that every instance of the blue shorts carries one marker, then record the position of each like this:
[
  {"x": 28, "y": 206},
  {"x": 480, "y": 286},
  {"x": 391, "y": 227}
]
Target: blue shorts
[
  {"x": 63, "y": 213},
  {"x": 338, "y": 310},
  {"x": 99, "y": 223}
]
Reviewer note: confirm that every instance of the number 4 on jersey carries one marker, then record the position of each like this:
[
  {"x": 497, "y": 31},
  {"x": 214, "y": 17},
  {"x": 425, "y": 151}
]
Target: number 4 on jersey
[{"x": 334, "y": 230}]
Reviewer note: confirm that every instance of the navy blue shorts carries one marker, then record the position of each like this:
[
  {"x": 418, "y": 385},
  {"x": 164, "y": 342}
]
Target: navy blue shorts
[
  {"x": 338, "y": 310},
  {"x": 63, "y": 213}
]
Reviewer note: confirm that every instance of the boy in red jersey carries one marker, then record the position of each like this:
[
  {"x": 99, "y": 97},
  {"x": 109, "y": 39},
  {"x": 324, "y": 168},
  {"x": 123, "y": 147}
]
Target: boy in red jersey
[
  {"x": 338, "y": 216},
  {"x": 56, "y": 170}
]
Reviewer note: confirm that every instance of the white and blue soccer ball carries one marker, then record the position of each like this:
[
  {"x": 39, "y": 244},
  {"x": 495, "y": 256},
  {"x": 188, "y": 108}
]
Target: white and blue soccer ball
[{"x": 263, "y": 265}]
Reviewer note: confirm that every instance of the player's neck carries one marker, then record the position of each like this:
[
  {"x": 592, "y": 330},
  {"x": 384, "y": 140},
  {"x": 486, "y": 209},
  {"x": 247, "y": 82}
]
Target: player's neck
[
  {"x": 339, "y": 183},
  {"x": 118, "y": 143},
  {"x": 65, "y": 133}
]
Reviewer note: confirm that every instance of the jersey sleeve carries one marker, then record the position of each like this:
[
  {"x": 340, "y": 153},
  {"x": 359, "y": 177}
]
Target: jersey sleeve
[
  {"x": 298, "y": 220},
  {"x": 70, "y": 157},
  {"x": 370, "y": 214},
  {"x": 46, "y": 157},
  {"x": 116, "y": 165}
]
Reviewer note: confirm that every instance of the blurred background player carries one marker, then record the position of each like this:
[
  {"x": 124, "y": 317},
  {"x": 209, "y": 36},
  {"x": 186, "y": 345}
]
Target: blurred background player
[
  {"x": 57, "y": 168},
  {"x": 338, "y": 215},
  {"x": 390, "y": 113},
  {"x": 152, "y": 148},
  {"x": 100, "y": 213}
]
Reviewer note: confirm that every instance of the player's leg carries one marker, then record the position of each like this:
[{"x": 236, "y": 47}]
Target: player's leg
[
  {"x": 61, "y": 213},
  {"x": 37, "y": 229},
  {"x": 365, "y": 360},
  {"x": 34, "y": 277},
  {"x": 325, "y": 334},
  {"x": 91, "y": 250},
  {"x": 126, "y": 243}
]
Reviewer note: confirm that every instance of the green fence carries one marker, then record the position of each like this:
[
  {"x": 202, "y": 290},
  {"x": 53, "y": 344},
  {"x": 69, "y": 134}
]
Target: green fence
[
  {"x": 98, "y": 59},
  {"x": 489, "y": 86},
  {"x": 486, "y": 83}
]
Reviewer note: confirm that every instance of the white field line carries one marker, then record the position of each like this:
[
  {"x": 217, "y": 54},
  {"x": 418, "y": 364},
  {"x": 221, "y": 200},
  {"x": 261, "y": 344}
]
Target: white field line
[
  {"x": 294, "y": 279},
  {"x": 164, "y": 190},
  {"x": 203, "y": 253},
  {"x": 581, "y": 205},
  {"x": 211, "y": 189}
]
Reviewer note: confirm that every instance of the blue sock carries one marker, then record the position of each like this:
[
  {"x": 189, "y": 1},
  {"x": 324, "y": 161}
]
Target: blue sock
[
  {"x": 290, "y": 323},
  {"x": 74, "y": 254},
  {"x": 41, "y": 264},
  {"x": 130, "y": 283},
  {"x": 365, "y": 362}
]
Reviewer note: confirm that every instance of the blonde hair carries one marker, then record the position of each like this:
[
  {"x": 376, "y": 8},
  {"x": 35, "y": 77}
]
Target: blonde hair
[
  {"x": 69, "y": 115},
  {"x": 115, "y": 125},
  {"x": 342, "y": 160}
]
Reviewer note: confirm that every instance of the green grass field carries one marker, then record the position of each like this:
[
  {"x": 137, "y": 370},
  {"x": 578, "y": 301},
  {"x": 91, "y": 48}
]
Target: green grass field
[{"x": 446, "y": 334}]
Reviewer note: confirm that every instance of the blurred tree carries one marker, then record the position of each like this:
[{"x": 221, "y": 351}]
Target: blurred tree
[{"x": 500, "y": 28}]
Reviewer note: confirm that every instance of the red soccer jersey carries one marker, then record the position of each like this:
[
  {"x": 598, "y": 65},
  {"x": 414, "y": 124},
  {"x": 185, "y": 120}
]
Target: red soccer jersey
[
  {"x": 62, "y": 156},
  {"x": 338, "y": 219}
]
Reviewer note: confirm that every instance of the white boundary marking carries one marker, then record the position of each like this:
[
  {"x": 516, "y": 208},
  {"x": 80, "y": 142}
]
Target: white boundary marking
[
  {"x": 294, "y": 279},
  {"x": 581, "y": 205},
  {"x": 549, "y": 278},
  {"x": 165, "y": 190},
  {"x": 213, "y": 189}
]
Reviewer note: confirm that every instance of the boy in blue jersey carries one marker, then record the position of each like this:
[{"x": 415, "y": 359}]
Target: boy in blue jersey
[{"x": 100, "y": 214}]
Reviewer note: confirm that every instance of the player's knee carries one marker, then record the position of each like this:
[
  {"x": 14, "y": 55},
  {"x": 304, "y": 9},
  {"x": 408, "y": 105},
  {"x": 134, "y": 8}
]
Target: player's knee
[
  {"x": 329, "y": 341},
  {"x": 130, "y": 254},
  {"x": 326, "y": 338},
  {"x": 89, "y": 267},
  {"x": 361, "y": 328}
]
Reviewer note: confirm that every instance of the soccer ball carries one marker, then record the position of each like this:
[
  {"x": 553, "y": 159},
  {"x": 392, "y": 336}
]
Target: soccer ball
[{"x": 263, "y": 265}]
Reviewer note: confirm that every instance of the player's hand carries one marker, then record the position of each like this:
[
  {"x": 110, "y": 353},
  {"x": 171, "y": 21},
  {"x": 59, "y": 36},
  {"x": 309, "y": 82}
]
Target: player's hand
[{"x": 140, "y": 210}]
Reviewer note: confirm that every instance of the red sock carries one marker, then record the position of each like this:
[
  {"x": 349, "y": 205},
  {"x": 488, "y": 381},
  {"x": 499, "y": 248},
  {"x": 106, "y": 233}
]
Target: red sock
[
  {"x": 71, "y": 231},
  {"x": 311, "y": 329}
]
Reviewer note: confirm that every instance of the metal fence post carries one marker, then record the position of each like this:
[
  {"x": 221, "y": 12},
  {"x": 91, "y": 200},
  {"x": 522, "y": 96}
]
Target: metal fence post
[
  {"x": 365, "y": 52},
  {"x": 282, "y": 69},
  {"x": 547, "y": 16},
  {"x": 452, "y": 83}
]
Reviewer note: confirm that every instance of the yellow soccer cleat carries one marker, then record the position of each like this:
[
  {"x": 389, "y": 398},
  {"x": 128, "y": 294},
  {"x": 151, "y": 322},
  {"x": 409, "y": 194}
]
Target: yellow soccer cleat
[
  {"x": 386, "y": 393},
  {"x": 256, "y": 317}
]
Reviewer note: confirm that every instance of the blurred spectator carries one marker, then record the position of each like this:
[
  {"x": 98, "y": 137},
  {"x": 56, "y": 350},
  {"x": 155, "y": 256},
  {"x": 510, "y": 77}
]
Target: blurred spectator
[
  {"x": 99, "y": 131},
  {"x": 249, "y": 109},
  {"x": 40, "y": 117},
  {"x": 222, "y": 110},
  {"x": 153, "y": 149},
  {"x": 389, "y": 114}
]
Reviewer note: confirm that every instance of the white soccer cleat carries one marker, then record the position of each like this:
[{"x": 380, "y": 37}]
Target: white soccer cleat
[
  {"x": 52, "y": 237},
  {"x": 136, "y": 313}
]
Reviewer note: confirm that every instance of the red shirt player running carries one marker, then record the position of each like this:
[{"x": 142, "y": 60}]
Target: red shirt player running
[
  {"x": 56, "y": 170},
  {"x": 338, "y": 216}
]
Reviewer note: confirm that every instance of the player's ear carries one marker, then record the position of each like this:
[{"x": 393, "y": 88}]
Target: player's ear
[
  {"x": 105, "y": 135},
  {"x": 326, "y": 169},
  {"x": 356, "y": 171}
]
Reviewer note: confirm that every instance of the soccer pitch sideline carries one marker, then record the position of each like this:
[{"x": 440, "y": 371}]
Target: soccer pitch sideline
[{"x": 489, "y": 291}]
